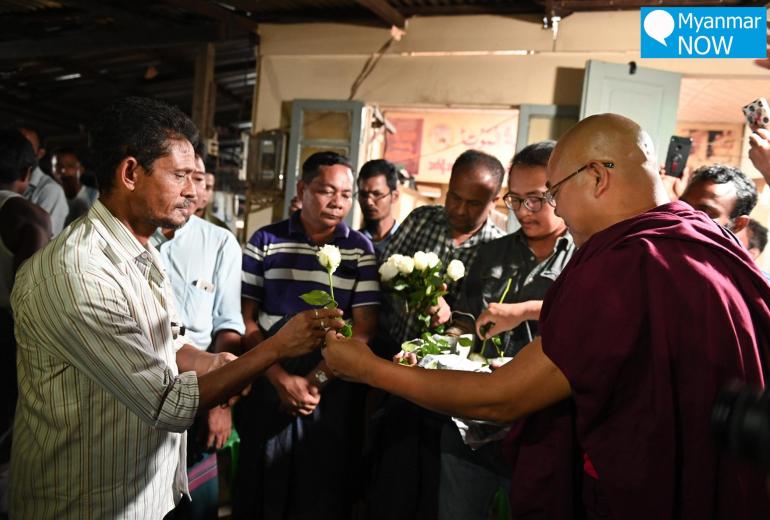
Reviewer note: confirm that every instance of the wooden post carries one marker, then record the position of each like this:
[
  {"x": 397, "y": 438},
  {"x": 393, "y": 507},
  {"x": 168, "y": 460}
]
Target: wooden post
[{"x": 204, "y": 91}]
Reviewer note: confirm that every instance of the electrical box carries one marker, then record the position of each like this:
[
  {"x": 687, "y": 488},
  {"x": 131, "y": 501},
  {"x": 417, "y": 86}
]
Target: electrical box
[
  {"x": 212, "y": 146},
  {"x": 267, "y": 159}
]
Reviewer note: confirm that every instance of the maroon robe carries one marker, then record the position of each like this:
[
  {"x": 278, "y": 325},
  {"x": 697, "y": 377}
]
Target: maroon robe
[{"x": 650, "y": 319}]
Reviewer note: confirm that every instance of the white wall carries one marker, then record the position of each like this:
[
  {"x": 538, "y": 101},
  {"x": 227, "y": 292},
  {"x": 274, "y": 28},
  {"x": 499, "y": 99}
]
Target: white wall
[
  {"x": 450, "y": 61},
  {"x": 321, "y": 61}
]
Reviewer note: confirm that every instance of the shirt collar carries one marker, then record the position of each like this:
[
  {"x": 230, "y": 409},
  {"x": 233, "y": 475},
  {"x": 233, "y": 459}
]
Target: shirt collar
[
  {"x": 563, "y": 242},
  {"x": 392, "y": 231},
  {"x": 295, "y": 227},
  {"x": 36, "y": 177},
  {"x": 487, "y": 232},
  {"x": 158, "y": 238},
  {"x": 118, "y": 237}
]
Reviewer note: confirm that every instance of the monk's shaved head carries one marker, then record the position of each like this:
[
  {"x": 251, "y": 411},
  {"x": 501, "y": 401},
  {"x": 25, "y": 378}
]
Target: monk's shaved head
[
  {"x": 608, "y": 136},
  {"x": 620, "y": 179}
]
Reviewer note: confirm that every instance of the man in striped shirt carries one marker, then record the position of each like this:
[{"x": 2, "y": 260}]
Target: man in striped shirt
[
  {"x": 295, "y": 461},
  {"x": 107, "y": 382}
]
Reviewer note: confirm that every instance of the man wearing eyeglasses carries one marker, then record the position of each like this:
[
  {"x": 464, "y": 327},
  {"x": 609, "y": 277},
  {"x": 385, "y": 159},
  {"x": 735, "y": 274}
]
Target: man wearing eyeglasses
[
  {"x": 406, "y": 469},
  {"x": 299, "y": 427},
  {"x": 657, "y": 310},
  {"x": 377, "y": 192},
  {"x": 523, "y": 265}
]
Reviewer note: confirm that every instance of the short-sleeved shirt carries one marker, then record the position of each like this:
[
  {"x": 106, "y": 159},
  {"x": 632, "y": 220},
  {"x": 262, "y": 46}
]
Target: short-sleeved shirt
[
  {"x": 280, "y": 264},
  {"x": 203, "y": 263},
  {"x": 102, "y": 409},
  {"x": 46, "y": 193},
  {"x": 498, "y": 261},
  {"x": 81, "y": 203},
  {"x": 427, "y": 229}
]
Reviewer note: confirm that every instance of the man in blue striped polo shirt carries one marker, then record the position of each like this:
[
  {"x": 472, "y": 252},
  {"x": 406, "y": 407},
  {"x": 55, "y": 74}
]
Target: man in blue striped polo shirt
[{"x": 298, "y": 425}]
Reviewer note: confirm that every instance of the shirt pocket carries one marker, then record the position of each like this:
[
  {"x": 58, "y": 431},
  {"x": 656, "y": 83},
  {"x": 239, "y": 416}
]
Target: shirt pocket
[{"x": 199, "y": 308}]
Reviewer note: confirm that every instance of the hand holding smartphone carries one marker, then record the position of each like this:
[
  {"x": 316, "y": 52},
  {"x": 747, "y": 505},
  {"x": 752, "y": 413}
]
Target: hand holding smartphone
[{"x": 678, "y": 152}]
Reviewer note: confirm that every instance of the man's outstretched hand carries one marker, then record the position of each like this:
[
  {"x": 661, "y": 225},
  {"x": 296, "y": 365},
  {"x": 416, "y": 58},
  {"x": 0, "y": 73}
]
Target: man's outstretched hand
[
  {"x": 306, "y": 330},
  {"x": 348, "y": 358}
]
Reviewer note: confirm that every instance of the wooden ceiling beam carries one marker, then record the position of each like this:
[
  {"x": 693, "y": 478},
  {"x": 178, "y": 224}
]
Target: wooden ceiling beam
[
  {"x": 384, "y": 11},
  {"x": 212, "y": 10},
  {"x": 87, "y": 42},
  {"x": 32, "y": 108}
]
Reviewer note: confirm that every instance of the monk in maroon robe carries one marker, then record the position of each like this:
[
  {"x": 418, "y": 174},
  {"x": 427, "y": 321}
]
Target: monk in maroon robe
[{"x": 656, "y": 312}]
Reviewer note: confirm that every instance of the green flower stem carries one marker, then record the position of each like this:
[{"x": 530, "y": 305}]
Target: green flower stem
[
  {"x": 502, "y": 299},
  {"x": 505, "y": 292},
  {"x": 331, "y": 286}
]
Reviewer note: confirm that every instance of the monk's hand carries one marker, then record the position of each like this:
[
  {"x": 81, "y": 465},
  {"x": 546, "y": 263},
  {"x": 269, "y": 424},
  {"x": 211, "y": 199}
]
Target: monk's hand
[
  {"x": 306, "y": 330},
  {"x": 759, "y": 151},
  {"x": 348, "y": 358},
  {"x": 408, "y": 359},
  {"x": 439, "y": 313},
  {"x": 502, "y": 316}
]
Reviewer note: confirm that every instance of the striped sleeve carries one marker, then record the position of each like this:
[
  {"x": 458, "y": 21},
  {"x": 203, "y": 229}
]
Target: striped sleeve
[
  {"x": 97, "y": 333},
  {"x": 366, "y": 290},
  {"x": 253, "y": 268}
]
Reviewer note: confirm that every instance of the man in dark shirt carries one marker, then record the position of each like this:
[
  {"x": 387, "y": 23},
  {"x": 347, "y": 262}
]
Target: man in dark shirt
[
  {"x": 377, "y": 193},
  {"x": 406, "y": 438},
  {"x": 531, "y": 259}
]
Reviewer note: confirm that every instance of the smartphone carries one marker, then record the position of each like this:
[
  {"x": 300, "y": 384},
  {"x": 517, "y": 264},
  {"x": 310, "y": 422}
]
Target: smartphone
[
  {"x": 678, "y": 152},
  {"x": 757, "y": 114}
]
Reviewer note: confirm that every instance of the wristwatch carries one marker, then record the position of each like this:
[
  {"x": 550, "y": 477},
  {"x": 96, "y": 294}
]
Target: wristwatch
[{"x": 320, "y": 377}]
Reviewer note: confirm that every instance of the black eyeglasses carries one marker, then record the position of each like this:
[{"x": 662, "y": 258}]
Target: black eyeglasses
[
  {"x": 376, "y": 196},
  {"x": 550, "y": 195},
  {"x": 532, "y": 203}
]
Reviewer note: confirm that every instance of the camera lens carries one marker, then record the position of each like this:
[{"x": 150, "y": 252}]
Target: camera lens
[{"x": 740, "y": 420}]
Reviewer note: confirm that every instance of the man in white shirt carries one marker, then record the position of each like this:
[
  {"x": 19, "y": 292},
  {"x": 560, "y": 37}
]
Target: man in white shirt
[
  {"x": 43, "y": 190},
  {"x": 68, "y": 170},
  {"x": 108, "y": 383},
  {"x": 203, "y": 264}
]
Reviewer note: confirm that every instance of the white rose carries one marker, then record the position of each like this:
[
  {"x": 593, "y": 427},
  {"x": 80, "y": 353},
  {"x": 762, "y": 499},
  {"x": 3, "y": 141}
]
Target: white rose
[
  {"x": 420, "y": 261},
  {"x": 405, "y": 265},
  {"x": 455, "y": 270},
  {"x": 330, "y": 257},
  {"x": 433, "y": 260},
  {"x": 388, "y": 271}
]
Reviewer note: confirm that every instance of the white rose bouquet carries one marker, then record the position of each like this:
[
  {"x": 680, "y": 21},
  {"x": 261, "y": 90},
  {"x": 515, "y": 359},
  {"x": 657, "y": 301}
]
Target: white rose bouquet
[
  {"x": 329, "y": 257},
  {"x": 419, "y": 282}
]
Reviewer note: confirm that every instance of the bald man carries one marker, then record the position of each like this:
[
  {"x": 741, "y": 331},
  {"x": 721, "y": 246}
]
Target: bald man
[{"x": 657, "y": 310}]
